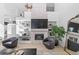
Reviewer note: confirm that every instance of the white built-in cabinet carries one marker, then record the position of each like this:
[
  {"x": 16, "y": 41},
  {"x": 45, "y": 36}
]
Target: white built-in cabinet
[
  {"x": 23, "y": 24},
  {"x": 11, "y": 30}
]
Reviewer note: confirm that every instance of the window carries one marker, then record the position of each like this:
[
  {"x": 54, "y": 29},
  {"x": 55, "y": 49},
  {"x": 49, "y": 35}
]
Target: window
[{"x": 50, "y": 7}]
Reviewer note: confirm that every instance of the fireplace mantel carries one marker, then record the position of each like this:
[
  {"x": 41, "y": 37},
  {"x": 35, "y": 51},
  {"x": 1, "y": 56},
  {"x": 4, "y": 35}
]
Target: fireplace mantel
[{"x": 39, "y": 30}]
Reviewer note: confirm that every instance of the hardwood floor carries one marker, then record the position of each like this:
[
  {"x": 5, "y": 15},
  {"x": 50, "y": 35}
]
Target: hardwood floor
[{"x": 41, "y": 49}]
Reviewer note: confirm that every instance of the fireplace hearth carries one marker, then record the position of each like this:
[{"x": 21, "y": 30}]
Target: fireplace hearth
[{"x": 39, "y": 36}]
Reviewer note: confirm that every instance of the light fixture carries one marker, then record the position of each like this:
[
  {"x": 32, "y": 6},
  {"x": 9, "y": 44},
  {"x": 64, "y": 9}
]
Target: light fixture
[{"x": 28, "y": 6}]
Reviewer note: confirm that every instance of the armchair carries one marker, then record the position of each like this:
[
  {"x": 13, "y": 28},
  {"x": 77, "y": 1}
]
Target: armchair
[
  {"x": 49, "y": 43},
  {"x": 10, "y": 42}
]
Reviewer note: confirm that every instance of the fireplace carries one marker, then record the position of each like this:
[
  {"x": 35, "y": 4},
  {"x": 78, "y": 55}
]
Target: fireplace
[{"x": 39, "y": 36}]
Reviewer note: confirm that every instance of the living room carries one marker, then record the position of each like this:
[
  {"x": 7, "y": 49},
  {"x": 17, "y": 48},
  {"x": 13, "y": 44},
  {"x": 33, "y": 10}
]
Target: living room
[{"x": 31, "y": 28}]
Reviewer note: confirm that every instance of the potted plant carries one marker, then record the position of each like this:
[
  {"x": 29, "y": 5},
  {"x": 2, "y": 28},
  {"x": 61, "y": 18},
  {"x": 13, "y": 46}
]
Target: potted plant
[{"x": 58, "y": 33}]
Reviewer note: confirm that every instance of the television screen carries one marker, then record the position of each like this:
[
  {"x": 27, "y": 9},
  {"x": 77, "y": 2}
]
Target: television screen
[{"x": 39, "y": 23}]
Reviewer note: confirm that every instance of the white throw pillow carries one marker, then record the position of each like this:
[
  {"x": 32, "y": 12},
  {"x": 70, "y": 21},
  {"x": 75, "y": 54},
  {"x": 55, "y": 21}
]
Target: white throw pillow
[{"x": 8, "y": 43}]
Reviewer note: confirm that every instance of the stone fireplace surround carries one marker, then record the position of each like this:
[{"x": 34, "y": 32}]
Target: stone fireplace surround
[{"x": 38, "y": 31}]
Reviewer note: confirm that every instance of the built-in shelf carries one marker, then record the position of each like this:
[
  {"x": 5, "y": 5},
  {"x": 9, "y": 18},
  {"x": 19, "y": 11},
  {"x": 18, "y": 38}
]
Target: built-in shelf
[
  {"x": 23, "y": 25},
  {"x": 73, "y": 33},
  {"x": 50, "y": 25}
]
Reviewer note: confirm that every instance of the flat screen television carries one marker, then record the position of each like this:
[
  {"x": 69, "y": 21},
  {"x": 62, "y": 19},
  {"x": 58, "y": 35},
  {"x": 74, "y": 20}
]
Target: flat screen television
[{"x": 39, "y": 23}]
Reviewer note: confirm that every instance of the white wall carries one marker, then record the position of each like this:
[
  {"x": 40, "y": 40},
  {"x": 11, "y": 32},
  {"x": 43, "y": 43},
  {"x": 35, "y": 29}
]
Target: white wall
[
  {"x": 52, "y": 16},
  {"x": 10, "y": 9},
  {"x": 39, "y": 11},
  {"x": 66, "y": 11},
  {"x": 13, "y": 9}
]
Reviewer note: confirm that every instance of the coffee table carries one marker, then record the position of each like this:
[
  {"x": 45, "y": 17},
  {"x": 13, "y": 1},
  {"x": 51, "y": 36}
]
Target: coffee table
[{"x": 27, "y": 51}]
